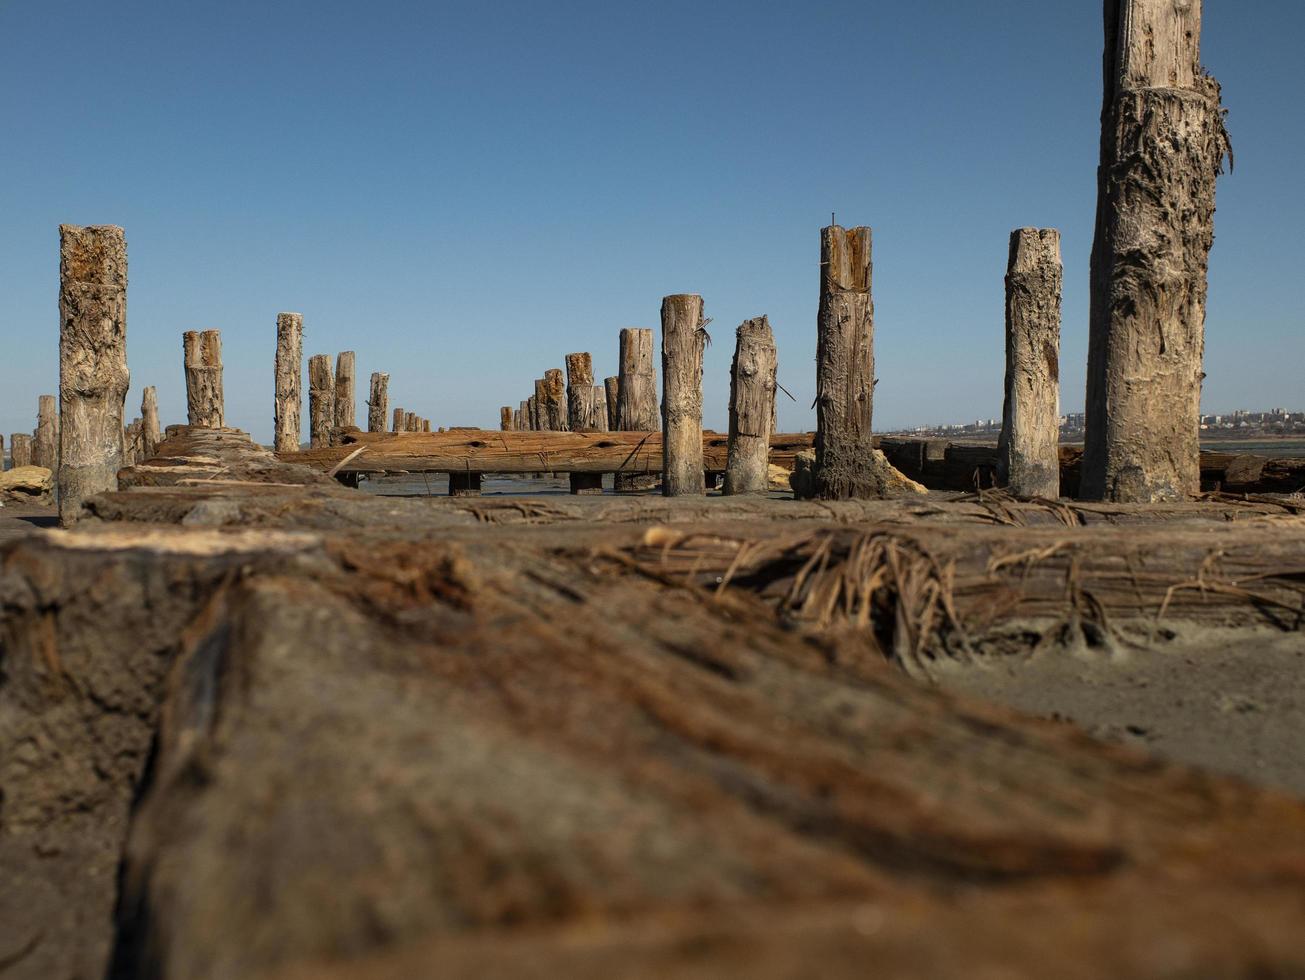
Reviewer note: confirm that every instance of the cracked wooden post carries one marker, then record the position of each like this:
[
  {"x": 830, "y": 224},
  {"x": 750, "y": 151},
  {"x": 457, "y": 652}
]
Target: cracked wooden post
[
  {"x": 845, "y": 366},
  {"x": 636, "y": 398},
  {"x": 598, "y": 408},
  {"x": 45, "y": 446},
  {"x": 378, "y": 402},
  {"x": 131, "y": 443},
  {"x": 20, "y": 449},
  {"x": 93, "y": 376},
  {"x": 580, "y": 414},
  {"x": 752, "y": 408},
  {"x": 684, "y": 338},
  {"x": 1028, "y": 451},
  {"x": 538, "y": 418},
  {"x": 611, "y": 387},
  {"x": 411, "y": 423},
  {"x": 150, "y": 433},
  {"x": 1162, "y": 148},
  {"x": 505, "y": 418},
  {"x": 346, "y": 393},
  {"x": 399, "y": 415},
  {"x": 554, "y": 403},
  {"x": 321, "y": 400},
  {"x": 523, "y": 415},
  {"x": 203, "y": 366},
  {"x": 289, "y": 382}
]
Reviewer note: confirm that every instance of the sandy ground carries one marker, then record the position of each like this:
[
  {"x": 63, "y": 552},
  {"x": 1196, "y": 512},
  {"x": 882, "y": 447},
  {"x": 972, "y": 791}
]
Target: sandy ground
[{"x": 1232, "y": 701}]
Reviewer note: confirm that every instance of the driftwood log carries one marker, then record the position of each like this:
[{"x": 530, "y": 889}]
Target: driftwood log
[
  {"x": 93, "y": 376},
  {"x": 845, "y": 366},
  {"x": 1028, "y": 461},
  {"x": 684, "y": 338},
  {"x": 1162, "y": 147},
  {"x": 752, "y": 408},
  {"x": 321, "y": 400},
  {"x": 289, "y": 382},
  {"x": 202, "y": 352}
]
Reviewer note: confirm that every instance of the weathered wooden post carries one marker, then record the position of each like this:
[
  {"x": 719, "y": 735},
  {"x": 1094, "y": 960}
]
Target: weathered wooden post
[
  {"x": 410, "y": 422},
  {"x": 554, "y": 404},
  {"x": 537, "y": 414},
  {"x": 505, "y": 418},
  {"x": 580, "y": 413},
  {"x": 752, "y": 408},
  {"x": 684, "y": 338},
  {"x": 378, "y": 402},
  {"x": 2, "y": 453},
  {"x": 611, "y": 386},
  {"x": 203, "y": 364},
  {"x": 321, "y": 400},
  {"x": 289, "y": 382},
  {"x": 346, "y": 393},
  {"x": 636, "y": 398},
  {"x": 20, "y": 449},
  {"x": 425, "y": 425},
  {"x": 132, "y": 443},
  {"x": 45, "y": 447},
  {"x": 523, "y": 415},
  {"x": 150, "y": 433},
  {"x": 1028, "y": 451},
  {"x": 598, "y": 408},
  {"x": 93, "y": 376},
  {"x": 1162, "y": 148},
  {"x": 845, "y": 366}
]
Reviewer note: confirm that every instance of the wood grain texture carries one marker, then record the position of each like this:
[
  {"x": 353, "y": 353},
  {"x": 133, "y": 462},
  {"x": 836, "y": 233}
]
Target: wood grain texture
[
  {"x": 378, "y": 402},
  {"x": 151, "y": 433},
  {"x": 205, "y": 404},
  {"x": 45, "y": 442},
  {"x": 288, "y": 382},
  {"x": 346, "y": 412},
  {"x": 684, "y": 338},
  {"x": 752, "y": 408},
  {"x": 321, "y": 400}
]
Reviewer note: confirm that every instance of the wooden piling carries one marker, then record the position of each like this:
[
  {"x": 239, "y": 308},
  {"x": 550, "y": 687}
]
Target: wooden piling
[
  {"x": 151, "y": 434},
  {"x": 346, "y": 393},
  {"x": 611, "y": 387},
  {"x": 580, "y": 415},
  {"x": 636, "y": 398},
  {"x": 411, "y": 422},
  {"x": 321, "y": 400},
  {"x": 538, "y": 419},
  {"x": 1028, "y": 451},
  {"x": 203, "y": 368},
  {"x": 425, "y": 425},
  {"x": 131, "y": 443},
  {"x": 378, "y": 402},
  {"x": 684, "y": 338},
  {"x": 553, "y": 406},
  {"x": 1162, "y": 148},
  {"x": 845, "y": 366},
  {"x": 752, "y": 408},
  {"x": 598, "y": 408},
  {"x": 289, "y": 382},
  {"x": 20, "y": 449},
  {"x": 45, "y": 446},
  {"x": 93, "y": 376}
]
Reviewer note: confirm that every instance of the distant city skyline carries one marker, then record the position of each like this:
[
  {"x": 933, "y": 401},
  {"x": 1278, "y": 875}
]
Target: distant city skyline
[{"x": 463, "y": 195}]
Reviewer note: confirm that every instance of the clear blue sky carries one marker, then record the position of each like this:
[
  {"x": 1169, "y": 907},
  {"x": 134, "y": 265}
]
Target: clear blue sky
[{"x": 463, "y": 193}]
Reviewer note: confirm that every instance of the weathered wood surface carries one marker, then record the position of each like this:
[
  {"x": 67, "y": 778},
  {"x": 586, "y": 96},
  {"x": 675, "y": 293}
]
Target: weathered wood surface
[
  {"x": 716, "y": 778},
  {"x": 636, "y": 398},
  {"x": 582, "y": 413},
  {"x": 611, "y": 391},
  {"x": 45, "y": 442},
  {"x": 399, "y": 416},
  {"x": 20, "y": 450},
  {"x": 1028, "y": 461},
  {"x": 321, "y": 400},
  {"x": 378, "y": 402},
  {"x": 200, "y": 456},
  {"x": 505, "y": 419},
  {"x": 524, "y": 452},
  {"x": 1162, "y": 147},
  {"x": 151, "y": 434},
  {"x": 845, "y": 366},
  {"x": 93, "y": 375},
  {"x": 684, "y": 338},
  {"x": 202, "y": 357},
  {"x": 346, "y": 412},
  {"x": 288, "y": 382},
  {"x": 752, "y": 408},
  {"x": 552, "y": 404}
]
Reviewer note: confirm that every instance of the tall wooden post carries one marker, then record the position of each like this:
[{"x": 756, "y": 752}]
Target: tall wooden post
[
  {"x": 611, "y": 388},
  {"x": 93, "y": 376},
  {"x": 378, "y": 402},
  {"x": 1162, "y": 147},
  {"x": 752, "y": 408},
  {"x": 598, "y": 408},
  {"x": 20, "y": 449},
  {"x": 346, "y": 393},
  {"x": 411, "y": 423},
  {"x": 203, "y": 364},
  {"x": 151, "y": 434},
  {"x": 45, "y": 447},
  {"x": 321, "y": 400},
  {"x": 684, "y": 338},
  {"x": 554, "y": 403},
  {"x": 399, "y": 416},
  {"x": 523, "y": 421},
  {"x": 131, "y": 447},
  {"x": 538, "y": 419},
  {"x": 2, "y": 453},
  {"x": 289, "y": 382},
  {"x": 580, "y": 413},
  {"x": 1028, "y": 452},
  {"x": 505, "y": 418},
  {"x": 845, "y": 366},
  {"x": 636, "y": 398}
]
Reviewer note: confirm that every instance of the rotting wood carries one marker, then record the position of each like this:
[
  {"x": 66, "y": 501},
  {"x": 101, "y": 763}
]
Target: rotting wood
[
  {"x": 752, "y": 408},
  {"x": 845, "y": 365},
  {"x": 1028, "y": 461},
  {"x": 93, "y": 375},
  {"x": 1163, "y": 144},
  {"x": 684, "y": 338},
  {"x": 321, "y": 400},
  {"x": 203, "y": 369},
  {"x": 345, "y": 389},
  {"x": 288, "y": 382},
  {"x": 378, "y": 402},
  {"x": 45, "y": 445},
  {"x": 151, "y": 434}
]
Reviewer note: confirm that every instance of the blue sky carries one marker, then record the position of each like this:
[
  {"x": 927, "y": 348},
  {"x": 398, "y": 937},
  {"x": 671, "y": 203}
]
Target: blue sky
[{"x": 463, "y": 193}]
